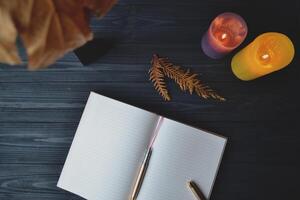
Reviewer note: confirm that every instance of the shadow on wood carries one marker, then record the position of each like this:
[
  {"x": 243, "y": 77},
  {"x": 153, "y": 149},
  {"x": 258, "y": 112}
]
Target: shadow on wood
[{"x": 94, "y": 50}]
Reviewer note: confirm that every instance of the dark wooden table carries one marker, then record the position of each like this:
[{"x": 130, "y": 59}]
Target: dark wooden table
[{"x": 39, "y": 111}]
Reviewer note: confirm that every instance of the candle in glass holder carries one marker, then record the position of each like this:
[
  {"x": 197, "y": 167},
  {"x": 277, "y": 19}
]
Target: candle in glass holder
[
  {"x": 269, "y": 52},
  {"x": 226, "y": 32}
]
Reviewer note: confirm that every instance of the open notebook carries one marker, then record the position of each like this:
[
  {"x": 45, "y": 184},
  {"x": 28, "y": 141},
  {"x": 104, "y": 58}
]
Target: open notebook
[{"x": 109, "y": 146}]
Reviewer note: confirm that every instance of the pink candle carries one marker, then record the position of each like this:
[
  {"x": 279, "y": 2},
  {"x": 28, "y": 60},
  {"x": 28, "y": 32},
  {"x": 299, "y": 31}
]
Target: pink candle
[{"x": 226, "y": 32}]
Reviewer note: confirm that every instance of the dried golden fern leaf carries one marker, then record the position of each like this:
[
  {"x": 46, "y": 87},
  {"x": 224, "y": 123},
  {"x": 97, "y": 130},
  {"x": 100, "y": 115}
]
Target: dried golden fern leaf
[
  {"x": 157, "y": 77},
  {"x": 186, "y": 80}
]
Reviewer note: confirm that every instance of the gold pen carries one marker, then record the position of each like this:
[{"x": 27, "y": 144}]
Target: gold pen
[
  {"x": 196, "y": 190},
  {"x": 141, "y": 174}
]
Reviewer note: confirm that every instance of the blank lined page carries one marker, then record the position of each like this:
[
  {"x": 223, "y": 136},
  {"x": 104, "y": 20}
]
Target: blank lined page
[
  {"x": 106, "y": 151},
  {"x": 181, "y": 153}
]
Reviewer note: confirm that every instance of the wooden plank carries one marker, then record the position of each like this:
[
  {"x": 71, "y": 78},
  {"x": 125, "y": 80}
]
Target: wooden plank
[
  {"x": 48, "y": 143},
  {"x": 29, "y": 182},
  {"x": 64, "y": 103}
]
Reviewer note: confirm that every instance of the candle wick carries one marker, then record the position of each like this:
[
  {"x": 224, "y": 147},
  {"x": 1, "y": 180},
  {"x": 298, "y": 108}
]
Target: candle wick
[
  {"x": 265, "y": 56},
  {"x": 224, "y": 35}
]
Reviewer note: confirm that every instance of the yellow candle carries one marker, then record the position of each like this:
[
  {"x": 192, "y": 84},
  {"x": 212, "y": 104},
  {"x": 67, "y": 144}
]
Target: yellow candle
[{"x": 269, "y": 52}]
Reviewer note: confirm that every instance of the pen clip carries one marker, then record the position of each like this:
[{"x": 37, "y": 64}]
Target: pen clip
[
  {"x": 141, "y": 174},
  {"x": 196, "y": 190}
]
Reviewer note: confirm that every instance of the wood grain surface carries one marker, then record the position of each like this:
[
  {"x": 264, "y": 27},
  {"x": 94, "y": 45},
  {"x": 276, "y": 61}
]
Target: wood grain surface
[{"x": 39, "y": 111}]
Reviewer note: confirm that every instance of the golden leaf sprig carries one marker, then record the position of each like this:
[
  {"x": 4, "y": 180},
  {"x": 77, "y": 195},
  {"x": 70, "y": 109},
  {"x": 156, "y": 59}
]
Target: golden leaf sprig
[
  {"x": 157, "y": 77},
  {"x": 186, "y": 80}
]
